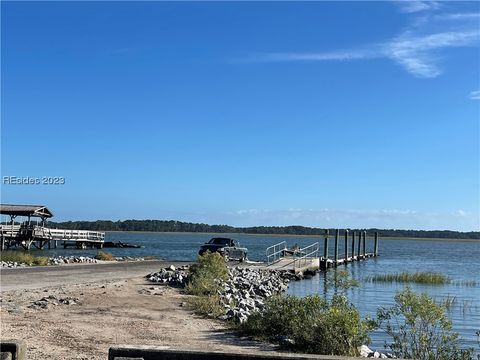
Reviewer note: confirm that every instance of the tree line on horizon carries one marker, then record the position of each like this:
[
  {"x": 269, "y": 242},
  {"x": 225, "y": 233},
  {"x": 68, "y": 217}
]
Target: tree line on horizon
[{"x": 180, "y": 226}]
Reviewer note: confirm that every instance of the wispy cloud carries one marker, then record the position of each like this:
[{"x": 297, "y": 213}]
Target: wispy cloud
[
  {"x": 474, "y": 95},
  {"x": 415, "y": 49},
  {"x": 457, "y": 16},
  {"x": 353, "y": 54},
  {"x": 414, "y": 52},
  {"x": 407, "y": 6},
  {"x": 411, "y": 52}
]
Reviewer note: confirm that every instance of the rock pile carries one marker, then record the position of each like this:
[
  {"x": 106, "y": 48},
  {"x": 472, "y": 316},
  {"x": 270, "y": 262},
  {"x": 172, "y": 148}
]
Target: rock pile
[
  {"x": 12, "y": 264},
  {"x": 46, "y": 301},
  {"x": 365, "y": 351},
  {"x": 129, "y": 258},
  {"x": 58, "y": 260},
  {"x": 170, "y": 275},
  {"x": 246, "y": 290}
]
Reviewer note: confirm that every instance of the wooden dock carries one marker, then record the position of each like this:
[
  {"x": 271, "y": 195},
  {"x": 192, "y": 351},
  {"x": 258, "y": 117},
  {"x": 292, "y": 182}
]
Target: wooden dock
[
  {"x": 299, "y": 260},
  {"x": 27, "y": 234}
]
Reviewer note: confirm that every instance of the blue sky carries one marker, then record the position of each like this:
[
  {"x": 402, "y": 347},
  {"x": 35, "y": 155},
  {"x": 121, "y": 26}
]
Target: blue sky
[{"x": 342, "y": 114}]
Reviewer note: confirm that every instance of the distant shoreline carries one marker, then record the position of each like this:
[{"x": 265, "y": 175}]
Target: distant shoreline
[{"x": 233, "y": 234}]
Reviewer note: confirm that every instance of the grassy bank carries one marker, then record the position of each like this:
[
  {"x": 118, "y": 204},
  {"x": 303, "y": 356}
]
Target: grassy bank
[
  {"x": 23, "y": 257},
  {"x": 105, "y": 256}
]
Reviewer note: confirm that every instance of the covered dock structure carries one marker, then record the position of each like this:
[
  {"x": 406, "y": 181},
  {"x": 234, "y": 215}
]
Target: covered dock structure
[{"x": 28, "y": 233}]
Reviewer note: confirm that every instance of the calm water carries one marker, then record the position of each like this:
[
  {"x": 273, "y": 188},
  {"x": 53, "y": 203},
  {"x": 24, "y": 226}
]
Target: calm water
[{"x": 458, "y": 260}]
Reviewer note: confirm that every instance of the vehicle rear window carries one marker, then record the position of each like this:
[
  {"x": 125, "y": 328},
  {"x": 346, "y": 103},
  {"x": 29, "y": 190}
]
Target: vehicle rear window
[{"x": 220, "y": 241}]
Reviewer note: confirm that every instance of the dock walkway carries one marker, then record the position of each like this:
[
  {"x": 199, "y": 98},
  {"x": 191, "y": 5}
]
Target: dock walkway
[
  {"x": 298, "y": 260},
  {"x": 26, "y": 234}
]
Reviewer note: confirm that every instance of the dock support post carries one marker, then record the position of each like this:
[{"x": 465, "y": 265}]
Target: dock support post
[
  {"x": 346, "y": 246},
  {"x": 3, "y": 243},
  {"x": 364, "y": 240},
  {"x": 324, "y": 260},
  {"x": 325, "y": 246},
  {"x": 353, "y": 245},
  {"x": 375, "y": 246},
  {"x": 337, "y": 232},
  {"x": 359, "y": 245}
]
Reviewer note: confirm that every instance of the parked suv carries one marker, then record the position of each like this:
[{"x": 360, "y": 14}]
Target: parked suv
[{"x": 227, "y": 247}]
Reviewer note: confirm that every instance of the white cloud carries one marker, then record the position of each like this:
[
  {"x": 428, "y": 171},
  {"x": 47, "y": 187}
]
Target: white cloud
[
  {"x": 407, "y": 6},
  {"x": 474, "y": 95},
  {"x": 458, "y": 16},
  {"x": 414, "y": 52},
  {"x": 414, "y": 49},
  {"x": 353, "y": 54}
]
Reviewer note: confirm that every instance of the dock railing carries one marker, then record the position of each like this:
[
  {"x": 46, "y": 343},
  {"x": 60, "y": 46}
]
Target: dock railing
[
  {"x": 276, "y": 252},
  {"x": 76, "y": 235},
  {"x": 9, "y": 230},
  {"x": 307, "y": 254}
]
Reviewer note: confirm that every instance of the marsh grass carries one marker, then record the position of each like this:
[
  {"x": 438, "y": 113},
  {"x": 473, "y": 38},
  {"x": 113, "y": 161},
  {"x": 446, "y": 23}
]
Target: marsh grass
[
  {"x": 419, "y": 277},
  {"x": 105, "y": 256},
  {"x": 469, "y": 283},
  {"x": 449, "y": 302},
  {"x": 23, "y": 257}
]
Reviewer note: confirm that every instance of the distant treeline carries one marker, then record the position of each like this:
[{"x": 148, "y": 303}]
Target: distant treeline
[{"x": 179, "y": 226}]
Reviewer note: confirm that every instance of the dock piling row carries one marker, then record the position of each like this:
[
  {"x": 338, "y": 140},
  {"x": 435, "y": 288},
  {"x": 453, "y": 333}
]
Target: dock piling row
[{"x": 359, "y": 249}]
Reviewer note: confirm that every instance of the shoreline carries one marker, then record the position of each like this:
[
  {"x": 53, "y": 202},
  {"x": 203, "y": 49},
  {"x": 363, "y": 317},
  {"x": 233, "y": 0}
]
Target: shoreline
[{"x": 294, "y": 235}]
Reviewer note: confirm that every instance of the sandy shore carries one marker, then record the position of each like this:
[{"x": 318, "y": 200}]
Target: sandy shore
[{"x": 81, "y": 319}]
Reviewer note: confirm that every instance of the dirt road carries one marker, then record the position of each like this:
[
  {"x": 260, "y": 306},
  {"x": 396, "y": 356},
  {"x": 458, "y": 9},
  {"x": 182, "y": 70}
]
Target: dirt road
[
  {"x": 41, "y": 276},
  {"x": 79, "y": 311}
]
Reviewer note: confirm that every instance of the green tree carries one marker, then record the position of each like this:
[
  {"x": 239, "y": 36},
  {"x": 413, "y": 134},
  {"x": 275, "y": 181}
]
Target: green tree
[{"x": 420, "y": 328}]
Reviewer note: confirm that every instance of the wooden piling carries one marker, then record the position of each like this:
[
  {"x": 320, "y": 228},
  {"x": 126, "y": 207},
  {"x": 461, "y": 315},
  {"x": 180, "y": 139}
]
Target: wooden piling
[
  {"x": 353, "y": 245},
  {"x": 337, "y": 232},
  {"x": 325, "y": 245},
  {"x": 346, "y": 246},
  {"x": 364, "y": 240},
  {"x": 375, "y": 246},
  {"x": 359, "y": 245}
]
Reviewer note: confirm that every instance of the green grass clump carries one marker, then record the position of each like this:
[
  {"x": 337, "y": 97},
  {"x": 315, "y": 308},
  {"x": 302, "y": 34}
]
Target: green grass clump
[
  {"x": 205, "y": 281},
  {"x": 207, "y": 275},
  {"x": 206, "y": 305},
  {"x": 418, "y": 277},
  {"x": 105, "y": 256},
  {"x": 312, "y": 324},
  {"x": 23, "y": 257}
]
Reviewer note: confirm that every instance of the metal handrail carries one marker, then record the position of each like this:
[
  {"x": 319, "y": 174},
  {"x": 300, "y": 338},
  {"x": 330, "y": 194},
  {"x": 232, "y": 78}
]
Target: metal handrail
[
  {"x": 310, "y": 251},
  {"x": 276, "y": 252}
]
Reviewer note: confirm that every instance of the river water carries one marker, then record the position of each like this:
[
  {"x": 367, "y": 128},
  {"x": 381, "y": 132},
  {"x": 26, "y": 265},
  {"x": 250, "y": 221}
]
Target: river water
[{"x": 459, "y": 260}]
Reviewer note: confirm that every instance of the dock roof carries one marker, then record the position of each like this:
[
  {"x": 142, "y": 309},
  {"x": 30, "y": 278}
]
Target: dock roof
[{"x": 25, "y": 210}]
